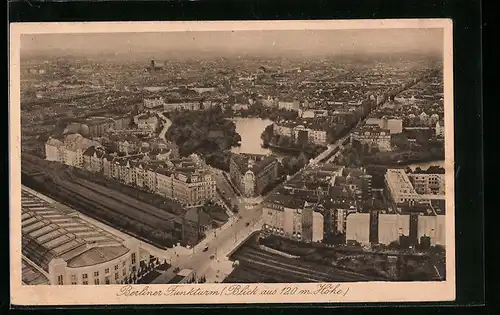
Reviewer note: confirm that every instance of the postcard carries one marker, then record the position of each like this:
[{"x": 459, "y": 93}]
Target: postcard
[{"x": 231, "y": 162}]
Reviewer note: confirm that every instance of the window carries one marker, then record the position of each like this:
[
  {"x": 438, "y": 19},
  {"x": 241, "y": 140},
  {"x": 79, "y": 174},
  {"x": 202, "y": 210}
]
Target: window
[
  {"x": 73, "y": 277},
  {"x": 85, "y": 282},
  {"x": 96, "y": 273},
  {"x": 124, "y": 272},
  {"x": 116, "y": 267},
  {"x": 123, "y": 263},
  {"x": 84, "y": 276},
  {"x": 60, "y": 280},
  {"x": 106, "y": 270},
  {"x": 106, "y": 280},
  {"x": 116, "y": 275},
  {"x": 73, "y": 282},
  {"x": 133, "y": 258},
  {"x": 96, "y": 281}
]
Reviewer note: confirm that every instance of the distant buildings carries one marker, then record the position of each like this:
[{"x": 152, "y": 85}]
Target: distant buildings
[
  {"x": 252, "y": 173},
  {"x": 394, "y": 125},
  {"x": 440, "y": 129},
  {"x": 155, "y": 66},
  {"x": 373, "y": 137},
  {"x": 148, "y": 122},
  {"x": 150, "y": 103},
  {"x": 181, "y": 106},
  {"x": 98, "y": 126},
  {"x": 63, "y": 248},
  {"x": 192, "y": 226},
  {"x": 68, "y": 150},
  {"x": 289, "y": 105},
  {"x": 304, "y": 132}
]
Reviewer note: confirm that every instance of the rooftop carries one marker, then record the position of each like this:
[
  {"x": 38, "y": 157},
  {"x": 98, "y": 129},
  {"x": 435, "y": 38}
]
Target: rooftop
[
  {"x": 285, "y": 201},
  {"x": 252, "y": 162},
  {"x": 32, "y": 276},
  {"x": 57, "y": 232}
]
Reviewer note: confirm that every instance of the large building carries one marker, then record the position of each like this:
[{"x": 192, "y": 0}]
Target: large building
[
  {"x": 64, "y": 248},
  {"x": 412, "y": 188},
  {"x": 440, "y": 129},
  {"x": 293, "y": 219},
  {"x": 252, "y": 173},
  {"x": 98, "y": 126},
  {"x": 184, "y": 106},
  {"x": 392, "y": 226},
  {"x": 307, "y": 130},
  {"x": 191, "y": 186},
  {"x": 427, "y": 184},
  {"x": 373, "y": 136},
  {"x": 393, "y": 124},
  {"x": 289, "y": 105},
  {"x": 150, "y": 103},
  {"x": 192, "y": 226}
]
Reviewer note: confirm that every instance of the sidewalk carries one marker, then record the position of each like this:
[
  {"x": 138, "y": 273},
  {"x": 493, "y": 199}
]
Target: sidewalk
[{"x": 221, "y": 267}]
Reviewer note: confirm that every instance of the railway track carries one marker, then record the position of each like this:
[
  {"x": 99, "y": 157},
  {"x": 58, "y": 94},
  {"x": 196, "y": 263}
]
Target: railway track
[
  {"x": 303, "y": 270},
  {"x": 124, "y": 199},
  {"x": 102, "y": 204},
  {"x": 281, "y": 268},
  {"x": 118, "y": 207},
  {"x": 122, "y": 205}
]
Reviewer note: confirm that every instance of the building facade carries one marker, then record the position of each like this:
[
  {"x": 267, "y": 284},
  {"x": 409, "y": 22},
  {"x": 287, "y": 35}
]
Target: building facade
[
  {"x": 293, "y": 221},
  {"x": 252, "y": 173},
  {"x": 374, "y": 137},
  {"x": 69, "y": 150}
]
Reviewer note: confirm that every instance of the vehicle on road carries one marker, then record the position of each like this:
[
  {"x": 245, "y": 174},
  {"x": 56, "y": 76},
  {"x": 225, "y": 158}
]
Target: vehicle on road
[
  {"x": 205, "y": 249},
  {"x": 212, "y": 257},
  {"x": 247, "y": 224}
]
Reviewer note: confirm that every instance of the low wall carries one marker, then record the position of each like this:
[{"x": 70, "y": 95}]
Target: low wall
[
  {"x": 277, "y": 252},
  {"x": 242, "y": 243}
]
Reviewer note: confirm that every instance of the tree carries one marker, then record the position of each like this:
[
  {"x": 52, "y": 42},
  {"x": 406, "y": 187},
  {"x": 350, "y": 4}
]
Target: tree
[
  {"x": 425, "y": 242},
  {"x": 283, "y": 142},
  {"x": 400, "y": 141},
  {"x": 302, "y": 160}
]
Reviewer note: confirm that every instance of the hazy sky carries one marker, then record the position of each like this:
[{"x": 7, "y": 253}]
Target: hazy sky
[{"x": 305, "y": 42}]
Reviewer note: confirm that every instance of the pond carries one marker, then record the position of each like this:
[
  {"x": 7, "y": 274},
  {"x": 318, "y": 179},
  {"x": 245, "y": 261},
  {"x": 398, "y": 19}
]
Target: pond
[{"x": 250, "y": 130}]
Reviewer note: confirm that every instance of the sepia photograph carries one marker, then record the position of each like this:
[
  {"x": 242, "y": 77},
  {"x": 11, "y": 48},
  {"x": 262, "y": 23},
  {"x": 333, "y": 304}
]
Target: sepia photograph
[{"x": 231, "y": 162}]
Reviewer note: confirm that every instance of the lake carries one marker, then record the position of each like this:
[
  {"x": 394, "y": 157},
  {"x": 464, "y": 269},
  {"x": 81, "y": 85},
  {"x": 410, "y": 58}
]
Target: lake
[{"x": 250, "y": 130}]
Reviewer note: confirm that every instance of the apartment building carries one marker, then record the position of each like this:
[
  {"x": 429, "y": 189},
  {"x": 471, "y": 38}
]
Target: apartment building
[
  {"x": 68, "y": 150},
  {"x": 289, "y": 105},
  {"x": 252, "y": 173},
  {"x": 309, "y": 131},
  {"x": 148, "y": 122},
  {"x": 293, "y": 219},
  {"x": 150, "y": 103},
  {"x": 427, "y": 184},
  {"x": 411, "y": 188},
  {"x": 373, "y": 136},
  {"x": 182, "y": 106}
]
